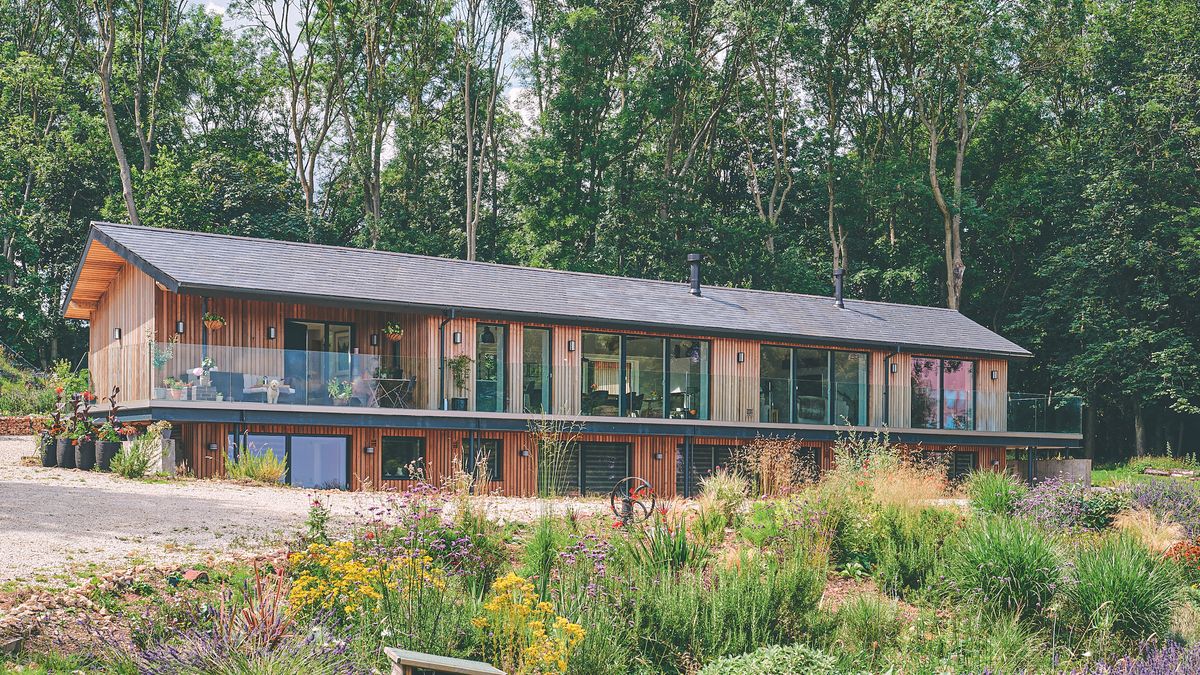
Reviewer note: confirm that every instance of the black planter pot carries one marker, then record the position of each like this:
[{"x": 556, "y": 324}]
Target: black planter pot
[
  {"x": 48, "y": 451},
  {"x": 458, "y": 404},
  {"x": 105, "y": 451},
  {"x": 65, "y": 452},
  {"x": 85, "y": 455}
]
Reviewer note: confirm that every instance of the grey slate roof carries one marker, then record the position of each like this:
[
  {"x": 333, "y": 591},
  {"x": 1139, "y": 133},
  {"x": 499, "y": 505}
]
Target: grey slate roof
[{"x": 193, "y": 262}]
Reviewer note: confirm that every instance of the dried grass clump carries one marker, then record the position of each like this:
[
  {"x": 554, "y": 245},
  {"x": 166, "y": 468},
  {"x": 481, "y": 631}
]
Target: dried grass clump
[
  {"x": 775, "y": 466},
  {"x": 889, "y": 474},
  {"x": 1155, "y": 533}
]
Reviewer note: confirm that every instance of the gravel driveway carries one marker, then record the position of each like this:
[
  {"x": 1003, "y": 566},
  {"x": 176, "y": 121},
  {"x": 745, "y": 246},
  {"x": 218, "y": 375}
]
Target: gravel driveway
[{"x": 57, "y": 521}]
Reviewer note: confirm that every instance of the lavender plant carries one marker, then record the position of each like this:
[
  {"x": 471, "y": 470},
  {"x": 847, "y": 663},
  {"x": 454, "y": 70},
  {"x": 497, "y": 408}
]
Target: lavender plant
[{"x": 1170, "y": 500}]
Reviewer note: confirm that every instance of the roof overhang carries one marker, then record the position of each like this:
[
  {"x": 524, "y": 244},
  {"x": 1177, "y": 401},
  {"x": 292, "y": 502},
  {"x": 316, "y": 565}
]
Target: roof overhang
[{"x": 102, "y": 259}]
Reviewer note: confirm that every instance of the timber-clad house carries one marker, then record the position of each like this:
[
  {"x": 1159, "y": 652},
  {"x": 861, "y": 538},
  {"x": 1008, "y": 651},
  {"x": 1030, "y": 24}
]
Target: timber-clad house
[{"x": 360, "y": 363}]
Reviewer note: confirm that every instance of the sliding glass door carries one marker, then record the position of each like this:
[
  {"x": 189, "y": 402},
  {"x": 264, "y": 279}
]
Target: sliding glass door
[
  {"x": 491, "y": 356},
  {"x": 645, "y": 376},
  {"x": 317, "y": 353},
  {"x": 535, "y": 370},
  {"x": 812, "y": 386}
]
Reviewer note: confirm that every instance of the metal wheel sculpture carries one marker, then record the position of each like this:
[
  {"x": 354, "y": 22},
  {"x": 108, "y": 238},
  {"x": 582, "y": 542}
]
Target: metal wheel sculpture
[{"x": 632, "y": 500}]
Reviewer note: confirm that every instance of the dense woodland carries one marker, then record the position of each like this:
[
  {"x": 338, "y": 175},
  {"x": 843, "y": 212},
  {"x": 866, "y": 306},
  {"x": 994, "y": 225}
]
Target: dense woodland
[{"x": 1033, "y": 163}]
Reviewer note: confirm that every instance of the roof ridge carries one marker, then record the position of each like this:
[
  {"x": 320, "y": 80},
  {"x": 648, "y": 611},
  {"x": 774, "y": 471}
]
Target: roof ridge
[{"x": 549, "y": 270}]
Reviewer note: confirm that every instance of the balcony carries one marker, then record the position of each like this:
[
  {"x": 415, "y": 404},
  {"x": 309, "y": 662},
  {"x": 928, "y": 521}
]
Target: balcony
[{"x": 220, "y": 374}]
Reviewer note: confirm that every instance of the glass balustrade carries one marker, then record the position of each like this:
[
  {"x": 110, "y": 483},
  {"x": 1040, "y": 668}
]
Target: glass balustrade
[{"x": 215, "y": 374}]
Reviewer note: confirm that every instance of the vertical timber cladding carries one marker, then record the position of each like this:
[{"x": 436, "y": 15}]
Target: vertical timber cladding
[
  {"x": 991, "y": 400},
  {"x": 128, "y": 305},
  {"x": 248, "y": 321}
]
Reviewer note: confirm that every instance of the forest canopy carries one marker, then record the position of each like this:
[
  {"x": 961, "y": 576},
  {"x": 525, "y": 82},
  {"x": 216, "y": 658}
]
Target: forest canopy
[{"x": 1034, "y": 164}]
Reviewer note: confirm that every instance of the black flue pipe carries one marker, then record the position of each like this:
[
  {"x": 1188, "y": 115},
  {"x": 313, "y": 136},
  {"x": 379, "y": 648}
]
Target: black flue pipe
[
  {"x": 694, "y": 262},
  {"x": 837, "y": 288}
]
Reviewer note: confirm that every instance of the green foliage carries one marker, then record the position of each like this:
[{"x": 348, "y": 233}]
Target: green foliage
[
  {"x": 135, "y": 459},
  {"x": 663, "y": 545},
  {"x": 994, "y": 492},
  {"x": 1004, "y": 565},
  {"x": 908, "y": 546},
  {"x": 774, "y": 660},
  {"x": 761, "y": 524},
  {"x": 541, "y": 552},
  {"x": 869, "y": 624},
  {"x": 258, "y": 466},
  {"x": 1120, "y": 589}
]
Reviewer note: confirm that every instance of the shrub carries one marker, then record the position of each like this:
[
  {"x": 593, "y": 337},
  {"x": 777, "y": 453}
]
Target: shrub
[
  {"x": 135, "y": 459},
  {"x": 1186, "y": 554},
  {"x": 908, "y": 546},
  {"x": 1120, "y": 588},
  {"x": 774, "y": 660},
  {"x": 868, "y": 623},
  {"x": 1172, "y": 500},
  {"x": 1100, "y": 508},
  {"x": 1158, "y": 658},
  {"x": 260, "y": 467},
  {"x": 724, "y": 490},
  {"x": 522, "y": 634},
  {"x": 873, "y": 468},
  {"x": 1005, "y": 565},
  {"x": 761, "y": 525},
  {"x": 1057, "y": 504},
  {"x": 664, "y": 545},
  {"x": 995, "y": 492},
  {"x": 775, "y": 465}
]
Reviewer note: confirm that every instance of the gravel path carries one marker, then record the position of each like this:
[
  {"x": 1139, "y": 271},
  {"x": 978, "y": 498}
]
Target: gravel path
[{"x": 56, "y": 522}]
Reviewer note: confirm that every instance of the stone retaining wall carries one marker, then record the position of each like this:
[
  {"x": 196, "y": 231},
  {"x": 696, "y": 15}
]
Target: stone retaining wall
[{"x": 19, "y": 426}]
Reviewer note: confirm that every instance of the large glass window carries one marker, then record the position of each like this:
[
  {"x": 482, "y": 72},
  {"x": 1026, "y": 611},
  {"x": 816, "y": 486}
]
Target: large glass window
[
  {"x": 850, "y": 388},
  {"x": 601, "y": 379},
  {"x": 535, "y": 370},
  {"x": 403, "y": 457},
  {"x": 775, "y": 384},
  {"x": 319, "y": 462},
  {"x": 491, "y": 343},
  {"x": 647, "y": 370},
  {"x": 958, "y": 394},
  {"x": 659, "y": 377},
  {"x": 942, "y": 394},
  {"x": 316, "y": 353},
  {"x": 258, "y": 445},
  {"x": 812, "y": 386},
  {"x": 688, "y": 382}
]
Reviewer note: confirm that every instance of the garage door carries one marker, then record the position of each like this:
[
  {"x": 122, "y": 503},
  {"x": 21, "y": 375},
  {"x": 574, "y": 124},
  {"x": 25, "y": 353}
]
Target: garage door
[{"x": 601, "y": 466}]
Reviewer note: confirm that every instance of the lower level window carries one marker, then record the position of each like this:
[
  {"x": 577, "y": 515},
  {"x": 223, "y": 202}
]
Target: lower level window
[
  {"x": 488, "y": 457},
  {"x": 403, "y": 457}
]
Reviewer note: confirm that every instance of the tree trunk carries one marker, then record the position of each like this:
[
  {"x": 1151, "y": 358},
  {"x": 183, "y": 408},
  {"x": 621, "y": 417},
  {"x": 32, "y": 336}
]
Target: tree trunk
[
  {"x": 106, "y": 21},
  {"x": 1139, "y": 431},
  {"x": 1089, "y": 433}
]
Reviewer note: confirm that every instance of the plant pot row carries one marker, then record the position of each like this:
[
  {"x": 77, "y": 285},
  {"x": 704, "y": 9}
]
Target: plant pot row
[{"x": 85, "y": 455}]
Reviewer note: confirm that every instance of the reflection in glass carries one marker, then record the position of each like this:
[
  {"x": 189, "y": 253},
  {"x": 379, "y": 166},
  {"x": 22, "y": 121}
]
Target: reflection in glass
[
  {"x": 490, "y": 355},
  {"x": 403, "y": 457},
  {"x": 319, "y": 462},
  {"x": 958, "y": 394},
  {"x": 688, "y": 386},
  {"x": 645, "y": 368},
  {"x": 812, "y": 386},
  {"x": 601, "y": 380},
  {"x": 926, "y": 393},
  {"x": 775, "y": 391},
  {"x": 257, "y": 445},
  {"x": 849, "y": 388},
  {"x": 535, "y": 370}
]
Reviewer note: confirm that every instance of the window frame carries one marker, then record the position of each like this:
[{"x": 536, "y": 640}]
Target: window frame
[
  {"x": 419, "y": 459},
  {"x": 471, "y": 447},
  {"x": 941, "y": 399},
  {"x": 548, "y": 379},
  {"x": 622, "y": 363},
  {"x": 830, "y": 382},
  {"x": 241, "y": 432}
]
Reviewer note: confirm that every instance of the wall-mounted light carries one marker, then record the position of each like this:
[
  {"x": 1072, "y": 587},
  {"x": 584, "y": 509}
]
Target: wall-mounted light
[
  {"x": 374, "y": 339},
  {"x": 895, "y": 367},
  {"x": 524, "y": 452},
  {"x": 179, "y": 327},
  {"x": 271, "y": 332},
  {"x": 741, "y": 357},
  {"x": 995, "y": 374},
  {"x": 658, "y": 455},
  {"x": 370, "y": 450},
  {"x": 570, "y": 345},
  {"x": 457, "y": 337},
  {"x": 117, "y": 335},
  {"x": 212, "y": 447}
]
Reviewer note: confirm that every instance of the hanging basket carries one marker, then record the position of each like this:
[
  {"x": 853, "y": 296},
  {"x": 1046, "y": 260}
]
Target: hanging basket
[
  {"x": 214, "y": 324},
  {"x": 394, "y": 337}
]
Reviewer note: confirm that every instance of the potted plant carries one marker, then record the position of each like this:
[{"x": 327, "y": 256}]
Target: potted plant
[
  {"x": 108, "y": 434},
  {"x": 55, "y": 428},
  {"x": 460, "y": 370},
  {"x": 174, "y": 388},
  {"x": 213, "y": 321},
  {"x": 339, "y": 391},
  {"x": 84, "y": 436},
  {"x": 393, "y": 331},
  {"x": 202, "y": 372}
]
